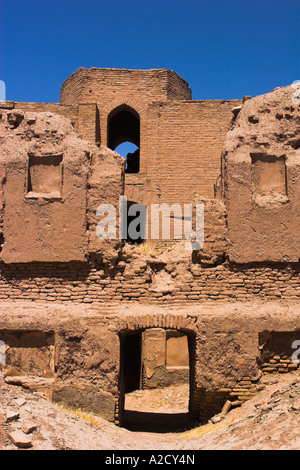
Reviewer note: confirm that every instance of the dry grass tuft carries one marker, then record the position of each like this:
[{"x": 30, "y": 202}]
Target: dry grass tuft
[
  {"x": 203, "y": 430},
  {"x": 86, "y": 415},
  {"x": 147, "y": 248}
]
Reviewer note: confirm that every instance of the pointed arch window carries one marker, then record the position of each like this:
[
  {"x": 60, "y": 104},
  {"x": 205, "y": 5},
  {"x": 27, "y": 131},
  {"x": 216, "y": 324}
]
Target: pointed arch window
[{"x": 124, "y": 126}]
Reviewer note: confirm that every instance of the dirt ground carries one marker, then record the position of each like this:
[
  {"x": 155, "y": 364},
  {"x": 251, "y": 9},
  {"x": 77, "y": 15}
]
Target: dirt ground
[
  {"x": 173, "y": 399},
  {"x": 158, "y": 410},
  {"x": 270, "y": 420}
]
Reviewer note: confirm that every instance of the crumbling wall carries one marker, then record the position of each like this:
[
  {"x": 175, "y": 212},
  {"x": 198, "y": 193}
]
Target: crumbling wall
[
  {"x": 277, "y": 350},
  {"x": 225, "y": 358},
  {"x": 70, "y": 359},
  {"x": 261, "y": 180},
  {"x": 83, "y": 116},
  {"x": 105, "y": 186},
  {"x": 29, "y": 352},
  {"x": 214, "y": 249},
  {"x": 149, "y": 280},
  {"x": 52, "y": 183},
  {"x": 45, "y": 168}
]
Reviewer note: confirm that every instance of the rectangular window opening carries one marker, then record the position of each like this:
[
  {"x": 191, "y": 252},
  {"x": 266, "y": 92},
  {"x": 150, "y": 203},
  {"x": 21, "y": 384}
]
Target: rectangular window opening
[
  {"x": 44, "y": 176},
  {"x": 268, "y": 175}
]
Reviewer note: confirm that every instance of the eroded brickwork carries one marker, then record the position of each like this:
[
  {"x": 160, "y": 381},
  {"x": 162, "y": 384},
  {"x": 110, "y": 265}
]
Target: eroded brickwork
[
  {"x": 88, "y": 283},
  {"x": 84, "y": 117},
  {"x": 58, "y": 277},
  {"x": 162, "y": 100}
]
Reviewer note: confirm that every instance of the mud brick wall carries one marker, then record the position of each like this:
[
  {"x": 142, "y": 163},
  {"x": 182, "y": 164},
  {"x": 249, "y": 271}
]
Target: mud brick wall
[
  {"x": 261, "y": 179},
  {"x": 223, "y": 348},
  {"x": 171, "y": 170},
  {"x": 44, "y": 186},
  {"x": 276, "y": 351},
  {"x": 190, "y": 162},
  {"x": 158, "y": 345},
  {"x": 69, "y": 112},
  {"x": 209, "y": 403},
  {"x": 110, "y": 88},
  {"x": 84, "y": 117},
  {"x": 278, "y": 363},
  {"x": 72, "y": 88},
  {"x": 30, "y": 351},
  {"x": 88, "y": 283},
  {"x": 84, "y": 85},
  {"x": 174, "y": 170}
]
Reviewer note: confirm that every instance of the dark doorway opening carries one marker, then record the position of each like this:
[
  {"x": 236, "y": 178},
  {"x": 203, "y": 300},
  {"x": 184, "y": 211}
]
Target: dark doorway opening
[
  {"x": 157, "y": 408},
  {"x": 132, "y": 362},
  {"x": 133, "y": 162},
  {"x": 136, "y": 229}
]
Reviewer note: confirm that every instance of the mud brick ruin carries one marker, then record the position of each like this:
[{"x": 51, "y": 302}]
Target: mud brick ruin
[{"x": 87, "y": 320}]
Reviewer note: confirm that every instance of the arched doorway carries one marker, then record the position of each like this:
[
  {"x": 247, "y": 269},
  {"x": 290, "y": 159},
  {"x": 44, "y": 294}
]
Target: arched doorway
[{"x": 123, "y": 126}]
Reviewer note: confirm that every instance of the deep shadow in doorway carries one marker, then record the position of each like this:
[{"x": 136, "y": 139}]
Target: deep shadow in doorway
[
  {"x": 156, "y": 422},
  {"x": 131, "y": 379}
]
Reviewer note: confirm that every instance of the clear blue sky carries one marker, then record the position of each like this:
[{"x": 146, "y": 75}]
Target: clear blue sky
[{"x": 224, "y": 49}]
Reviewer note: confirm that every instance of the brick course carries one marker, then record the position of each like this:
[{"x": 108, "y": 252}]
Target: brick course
[{"x": 81, "y": 282}]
